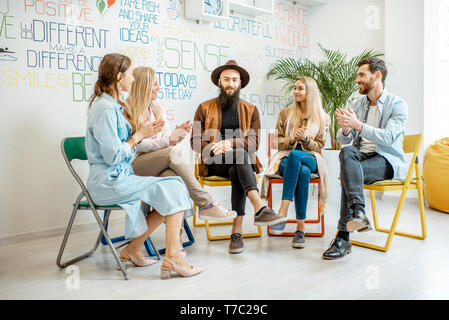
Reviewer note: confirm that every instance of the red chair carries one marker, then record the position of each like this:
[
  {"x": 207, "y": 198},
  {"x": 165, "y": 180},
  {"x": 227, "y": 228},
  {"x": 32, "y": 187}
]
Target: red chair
[{"x": 278, "y": 179}]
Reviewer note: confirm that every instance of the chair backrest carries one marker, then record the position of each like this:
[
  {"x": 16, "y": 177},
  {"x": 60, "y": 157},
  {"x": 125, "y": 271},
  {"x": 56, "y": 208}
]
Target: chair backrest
[
  {"x": 412, "y": 143},
  {"x": 74, "y": 148}
]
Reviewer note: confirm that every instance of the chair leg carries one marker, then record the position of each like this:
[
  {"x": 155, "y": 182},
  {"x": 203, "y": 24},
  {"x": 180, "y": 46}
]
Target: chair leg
[
  {"x": 189, "y": 234},
  {"x": 109, "y": 242},
  {"x": 152, "y": 249},
  {"x": 184, "y": 244},
  {"x": 270, "y": 195},
  {"x": 61, "y": 264},
  {"x": 372, "y": 195},
  {"x": 318, "y": 220},
  {"x": 422, "y": 211},
  {"x": 102, "y": 233},
  {"x": 392, "y": 231},
  {"x": 228, "y": 236}
]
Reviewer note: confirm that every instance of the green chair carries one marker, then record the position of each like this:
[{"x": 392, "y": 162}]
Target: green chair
[{"x": 74, "y": 148}]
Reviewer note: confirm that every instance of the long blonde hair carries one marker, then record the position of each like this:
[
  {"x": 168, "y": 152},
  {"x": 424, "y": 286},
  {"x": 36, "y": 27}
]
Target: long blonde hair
[
  {"x": 139, "y": 98},
  {"x": 315, "y": 113}
]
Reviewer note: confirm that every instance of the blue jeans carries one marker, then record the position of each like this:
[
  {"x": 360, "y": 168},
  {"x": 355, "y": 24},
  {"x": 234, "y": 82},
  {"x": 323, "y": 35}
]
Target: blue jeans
[{"x": 296, "y": 170}]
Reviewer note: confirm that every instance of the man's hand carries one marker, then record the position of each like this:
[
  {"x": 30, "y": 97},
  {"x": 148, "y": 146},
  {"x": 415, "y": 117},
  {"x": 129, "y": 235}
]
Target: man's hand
[
  {"x": 222, "y": 146},
  {"x": 347, "y": 119}
]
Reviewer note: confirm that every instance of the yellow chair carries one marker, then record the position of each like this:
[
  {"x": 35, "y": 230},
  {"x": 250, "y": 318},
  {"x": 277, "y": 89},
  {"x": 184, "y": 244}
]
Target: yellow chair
[
  {"x": 412, "y": 144},
  {"x": 216, "y": 181}
]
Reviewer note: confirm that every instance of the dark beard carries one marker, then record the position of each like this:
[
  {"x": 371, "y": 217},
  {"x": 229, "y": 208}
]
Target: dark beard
[
  {"x": 366, "y": 88},
  {"x": 229, "y": 101}
]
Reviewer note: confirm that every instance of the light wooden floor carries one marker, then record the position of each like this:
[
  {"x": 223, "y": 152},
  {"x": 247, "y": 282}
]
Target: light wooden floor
[{"x": 269, "y": 268}]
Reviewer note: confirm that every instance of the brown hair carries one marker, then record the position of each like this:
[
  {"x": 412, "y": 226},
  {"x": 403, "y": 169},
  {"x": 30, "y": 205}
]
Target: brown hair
[
  {"x": 375, "y": 64},
  {"x": 110, "y": 66}
]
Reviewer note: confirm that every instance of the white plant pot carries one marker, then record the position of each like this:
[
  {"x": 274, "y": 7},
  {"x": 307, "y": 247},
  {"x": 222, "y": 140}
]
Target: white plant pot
[{"x": 333, "y": 169}]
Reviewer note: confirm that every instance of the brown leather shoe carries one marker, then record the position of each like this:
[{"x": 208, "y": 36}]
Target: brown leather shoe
[
  {"x": 236, "y": 244},
  {"x": 267, "y": 217}
]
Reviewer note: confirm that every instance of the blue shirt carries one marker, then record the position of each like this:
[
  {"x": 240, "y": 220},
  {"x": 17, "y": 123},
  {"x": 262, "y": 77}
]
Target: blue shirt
[
  {"x": 389, "y": 136},
  {"x": 111, "y": 177}
]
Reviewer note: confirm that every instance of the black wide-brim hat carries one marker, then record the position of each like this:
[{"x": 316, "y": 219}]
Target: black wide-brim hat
[{"x": 231, "y": 64}]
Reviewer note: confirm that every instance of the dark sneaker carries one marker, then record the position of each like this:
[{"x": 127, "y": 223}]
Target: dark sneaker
[
  {"x": 337, "y": 249},
  {"x": 299, "y": 240},
  {"x": 236, "y": 244},
  {"x": 267, "y": 217},
  {"x": 359, "y": 222}
]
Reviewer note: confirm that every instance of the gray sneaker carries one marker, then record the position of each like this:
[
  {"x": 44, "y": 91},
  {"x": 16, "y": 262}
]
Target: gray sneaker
[
  {"x": 267, "y": 217},
  {"x": 299, "y": 240},
  {"x": 236, "y": 244},
  {"x": 278, "y": 229}
]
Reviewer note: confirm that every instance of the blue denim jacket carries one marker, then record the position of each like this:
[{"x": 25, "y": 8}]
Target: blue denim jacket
[
  {"x": 389, "y": 136},
  {"x": 111, "y": 177}
]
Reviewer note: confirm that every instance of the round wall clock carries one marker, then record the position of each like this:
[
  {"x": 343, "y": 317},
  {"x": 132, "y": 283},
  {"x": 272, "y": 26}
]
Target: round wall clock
[{"x": 213, "y": 7}]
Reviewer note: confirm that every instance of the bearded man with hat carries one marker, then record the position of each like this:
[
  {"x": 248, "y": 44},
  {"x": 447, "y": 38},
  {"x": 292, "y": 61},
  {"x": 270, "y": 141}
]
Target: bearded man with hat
[{"x": 226, "y": 135}]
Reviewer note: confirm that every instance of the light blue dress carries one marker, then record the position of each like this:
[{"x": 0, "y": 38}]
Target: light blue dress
[{"x": 111, "y": 177}]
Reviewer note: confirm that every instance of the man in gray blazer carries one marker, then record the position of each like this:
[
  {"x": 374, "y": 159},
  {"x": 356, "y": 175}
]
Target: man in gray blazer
[{"x": 375, "y": 124}]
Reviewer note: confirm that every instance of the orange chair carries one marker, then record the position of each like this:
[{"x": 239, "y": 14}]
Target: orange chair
[{"x": 278, "y": 179}]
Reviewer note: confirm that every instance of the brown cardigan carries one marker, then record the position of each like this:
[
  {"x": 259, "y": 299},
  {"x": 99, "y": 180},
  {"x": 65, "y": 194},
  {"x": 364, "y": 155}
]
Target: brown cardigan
[{"x": 207, "y": 125}]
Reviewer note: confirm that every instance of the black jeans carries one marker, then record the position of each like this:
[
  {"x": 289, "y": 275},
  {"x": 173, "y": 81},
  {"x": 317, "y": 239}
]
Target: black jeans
[
  {"x": 235, "y": 165},
  {"x": 357, "y": 169}
]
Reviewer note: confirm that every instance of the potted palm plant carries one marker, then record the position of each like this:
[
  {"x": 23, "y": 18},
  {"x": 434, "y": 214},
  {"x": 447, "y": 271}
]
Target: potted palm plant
[{"x": 335, "y": 76}]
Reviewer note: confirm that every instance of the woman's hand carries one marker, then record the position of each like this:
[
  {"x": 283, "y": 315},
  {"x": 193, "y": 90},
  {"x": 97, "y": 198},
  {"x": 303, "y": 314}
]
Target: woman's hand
[
  {"x": 144, "y": 130},
  {"x": 301, "y": 134},
  {"x": 149, "y": 129},
  {"x": 180, "y": 133}
]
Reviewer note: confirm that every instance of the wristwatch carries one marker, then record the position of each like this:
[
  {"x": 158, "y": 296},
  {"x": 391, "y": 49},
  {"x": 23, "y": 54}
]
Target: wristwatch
[{"x": 305, "y": 141}]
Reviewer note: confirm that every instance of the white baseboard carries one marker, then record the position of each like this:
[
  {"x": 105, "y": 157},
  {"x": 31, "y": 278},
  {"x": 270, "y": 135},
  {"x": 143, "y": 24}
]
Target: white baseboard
[{"x": 51, "y": 232}]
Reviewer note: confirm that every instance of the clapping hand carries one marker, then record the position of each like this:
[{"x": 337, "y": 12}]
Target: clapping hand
[
  {"x": 347, "y": 119},
  {"x": 301, "y": 134},
  {"x": 148, "y": 129},
  {"x": 180, "y": 133}
]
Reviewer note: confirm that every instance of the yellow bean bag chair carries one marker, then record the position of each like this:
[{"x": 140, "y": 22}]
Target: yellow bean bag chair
[{"x": 436, "y": 175}]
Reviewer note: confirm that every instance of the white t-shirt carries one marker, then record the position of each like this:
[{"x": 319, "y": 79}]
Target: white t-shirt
[{"x": 367, "y": 146}]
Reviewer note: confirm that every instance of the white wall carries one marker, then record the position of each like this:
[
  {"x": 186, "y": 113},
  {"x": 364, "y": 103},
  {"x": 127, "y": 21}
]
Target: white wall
[
  {"x": 404, "y": 49},
  {"x": 436, "y": 76},
  {"x": 36, "y": 189},
  {"x": 350, "y": 25},
  {"x": 43, "y": 104}
]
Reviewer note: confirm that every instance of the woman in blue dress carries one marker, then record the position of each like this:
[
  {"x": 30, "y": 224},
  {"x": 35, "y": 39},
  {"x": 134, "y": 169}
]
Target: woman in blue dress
[{"x": 110, "y": 147}]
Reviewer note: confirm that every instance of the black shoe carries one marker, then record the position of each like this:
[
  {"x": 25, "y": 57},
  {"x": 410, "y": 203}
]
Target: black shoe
[
  {"x": 337, "y": 249},
  {"x": 359, "y": 222}
]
